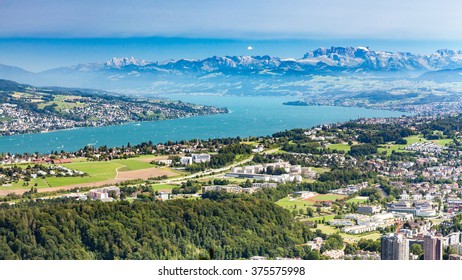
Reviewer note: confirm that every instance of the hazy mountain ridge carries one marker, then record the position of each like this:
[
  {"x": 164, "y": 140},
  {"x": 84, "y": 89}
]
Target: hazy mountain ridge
[
  {"x": 349, "y": 58},
  {"x": 128, "y": 73}
]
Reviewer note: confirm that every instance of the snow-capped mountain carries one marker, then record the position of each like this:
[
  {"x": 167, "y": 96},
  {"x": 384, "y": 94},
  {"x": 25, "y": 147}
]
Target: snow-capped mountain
[
  {"x": 342, "y": 58},
  {"x": 363, "y": 57},
  {"x": 335, "y": 61},
  {"x": 124, "y": 61}
]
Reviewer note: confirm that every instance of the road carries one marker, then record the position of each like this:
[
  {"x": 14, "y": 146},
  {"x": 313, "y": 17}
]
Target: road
[
  {"x": 214, "y": 171},
  {"x": 207, "y": 172}
]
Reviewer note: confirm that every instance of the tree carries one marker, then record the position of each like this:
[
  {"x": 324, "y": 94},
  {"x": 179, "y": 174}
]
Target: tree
[
  {"x": 416, "y": 249},
  {"x": 309, "y": 212},
  {"x": 351, "y": 249}
]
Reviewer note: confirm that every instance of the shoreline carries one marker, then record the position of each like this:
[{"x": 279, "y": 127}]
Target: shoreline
[{"x": 161, "y": 132}]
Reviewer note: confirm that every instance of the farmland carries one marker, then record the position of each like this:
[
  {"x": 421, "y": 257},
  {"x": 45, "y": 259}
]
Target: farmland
[{"x": 97, "y": 173}]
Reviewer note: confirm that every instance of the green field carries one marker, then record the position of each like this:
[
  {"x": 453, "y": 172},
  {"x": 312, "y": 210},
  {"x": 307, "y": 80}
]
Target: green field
[
  {"x": 253, "y": 143},
  {"x": 320, "y": 169},
  {"x": 410, "y": 140},
  {"x": 61, "y": 104},
  {"x": 340, "y": 147},
  {"x": 442, "y": 142},
  {"x": 132, "y": 164},
  {"x": 96, "y": 171},
  {"x": 395, "y": 147},
  {"x": 317, "y": 218},
  {"x": 327, "y": 197},
  {"x": 279, "y": 152},
  {"x": 241, "y": 157},
  {"x": 374, "y": 235},
  {"x": 163, "y": 187},
  {"x": 41, "y": 183},
  {"x": 289, "y": 203},
  {"x": 358, "y": 199}
]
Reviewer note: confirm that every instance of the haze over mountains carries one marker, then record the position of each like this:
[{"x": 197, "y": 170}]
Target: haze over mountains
[{"x": 130, "y": 73}]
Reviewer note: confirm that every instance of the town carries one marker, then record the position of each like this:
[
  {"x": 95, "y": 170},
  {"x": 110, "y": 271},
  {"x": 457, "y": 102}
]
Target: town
[
  {"x": 367, "y": 189},
  {"x": 26, "y": 109}
]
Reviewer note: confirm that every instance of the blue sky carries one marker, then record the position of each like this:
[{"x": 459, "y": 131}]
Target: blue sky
[{"x": 38, "y": 35}]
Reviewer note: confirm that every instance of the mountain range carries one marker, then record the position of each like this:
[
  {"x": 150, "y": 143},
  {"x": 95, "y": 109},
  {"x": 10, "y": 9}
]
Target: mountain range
[{"x": 123, "y": 73}]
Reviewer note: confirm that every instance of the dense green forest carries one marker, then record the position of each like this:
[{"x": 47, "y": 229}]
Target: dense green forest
[{"x": 179, "y": 229}]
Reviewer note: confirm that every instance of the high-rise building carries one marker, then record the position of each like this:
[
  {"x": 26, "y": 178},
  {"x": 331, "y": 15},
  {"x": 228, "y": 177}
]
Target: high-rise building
[
  {"x": 433, "y": 247},
  {"x": 394, "y": 247}
]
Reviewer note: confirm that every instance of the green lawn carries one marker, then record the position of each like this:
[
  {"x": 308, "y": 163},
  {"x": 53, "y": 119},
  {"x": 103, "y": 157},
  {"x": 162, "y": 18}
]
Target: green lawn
[
  {"x": 340, "y": 147},
  {"x": 163, "y": 187},
  {"x": 79, "y": 159},
  {"x": 327, "y": 197},
  {"x": 320, "y": 169},
  {"x": 395, "y": 147},
  {"x": 358, "y": 199},
  {"x": 289, "y": 203},
  {"x": 41, "y": 183},
  {"x": 374, "y": 235},
  {"x": 132, "y": 164},
  {"x": 97, "y": 171},
  {"x": 279, "y": 152},
  {"x": 410, "y": 140},
  {"x": 317, "y": 218},
  {"x": 61, "y": 105},
  {"x": 241, "y": 157},
  {"x": 442, "y": 142},
  {"x": 253, "y": 143},
  {"x": 415, "y": 138},
  {"x": 327, "y": 229}
]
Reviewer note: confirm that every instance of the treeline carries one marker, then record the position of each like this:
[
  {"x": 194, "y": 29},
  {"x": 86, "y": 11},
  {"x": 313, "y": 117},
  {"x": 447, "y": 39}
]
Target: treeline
[
  {"x": 448, "y": 125},
  {"x": 178, "y": 229},
  {"x": 363, "y": 150},
  {"x": 379, "y": 133},
  {"x": 327, "y": 181},
  {"x": 306, "y": 148},
  {"x": 346, "y": 176}
]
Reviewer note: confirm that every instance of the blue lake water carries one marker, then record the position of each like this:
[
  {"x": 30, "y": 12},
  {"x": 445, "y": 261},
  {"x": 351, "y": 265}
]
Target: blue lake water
[{"x": 249, "y": 116}]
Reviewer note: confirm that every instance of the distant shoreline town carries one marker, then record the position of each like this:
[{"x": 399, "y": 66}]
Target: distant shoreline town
[{"x": 26, "y": 109}]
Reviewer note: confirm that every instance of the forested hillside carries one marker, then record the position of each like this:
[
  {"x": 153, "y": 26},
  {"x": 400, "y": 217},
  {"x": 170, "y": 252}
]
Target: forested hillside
[{"x": 179, "y": 229}]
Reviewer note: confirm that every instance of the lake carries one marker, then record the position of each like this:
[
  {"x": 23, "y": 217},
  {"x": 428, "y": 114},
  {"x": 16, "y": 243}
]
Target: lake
[{"x": 249, "y": 116}]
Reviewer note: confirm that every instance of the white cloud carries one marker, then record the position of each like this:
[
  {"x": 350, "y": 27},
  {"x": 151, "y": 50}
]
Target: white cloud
[{"x": 397, "y": 19}]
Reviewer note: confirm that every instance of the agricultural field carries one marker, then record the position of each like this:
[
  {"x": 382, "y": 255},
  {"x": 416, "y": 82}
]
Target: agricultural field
[
  {"x": 104, "y": 172},
  {"x": 132, "y": 164},
  {"x": 97, "y": 171},
  {"x": 63, "y": 102}
]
